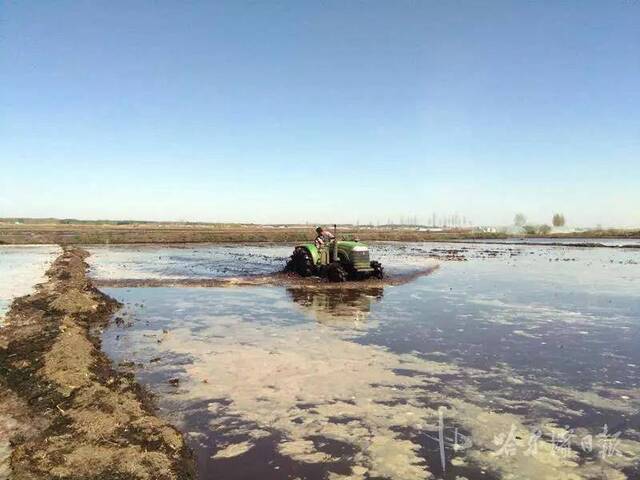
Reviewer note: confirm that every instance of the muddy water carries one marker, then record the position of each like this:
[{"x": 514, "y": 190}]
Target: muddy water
[
  {"x": 202, "y": 261},
  {"x": 510, "y": 362},
  {"x": 185, "y": 261},
  {"x": 21, "y": 267}
]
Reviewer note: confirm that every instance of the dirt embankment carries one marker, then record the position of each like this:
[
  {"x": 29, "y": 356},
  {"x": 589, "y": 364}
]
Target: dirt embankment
[{"x": 64, "y": 412}]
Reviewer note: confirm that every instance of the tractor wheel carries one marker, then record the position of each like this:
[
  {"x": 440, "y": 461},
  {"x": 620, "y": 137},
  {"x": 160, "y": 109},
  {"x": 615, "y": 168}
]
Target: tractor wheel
[
  {"x": 378, "y": 270},
  {"x": 336, "y": 273},
  {"x": 300, "y": 263}
]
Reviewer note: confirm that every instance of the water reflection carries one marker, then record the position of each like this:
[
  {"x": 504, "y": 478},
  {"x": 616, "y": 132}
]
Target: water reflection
[{"x": 337, "y": 307}]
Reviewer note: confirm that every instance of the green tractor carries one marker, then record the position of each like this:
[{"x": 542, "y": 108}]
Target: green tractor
[{"x": 340, "y": 260}]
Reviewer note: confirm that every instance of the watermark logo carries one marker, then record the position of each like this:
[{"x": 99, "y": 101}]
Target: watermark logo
[{"x": 564, "y": 443}]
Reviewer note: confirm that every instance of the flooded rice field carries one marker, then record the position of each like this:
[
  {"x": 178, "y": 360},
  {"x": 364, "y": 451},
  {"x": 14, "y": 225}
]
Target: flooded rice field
[
  {"x": 22, "y": 267},
  {"x": 566, "y": 241},
  {"x": 506, "y": 362}
]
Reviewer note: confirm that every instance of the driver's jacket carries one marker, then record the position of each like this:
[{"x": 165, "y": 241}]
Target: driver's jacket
[{"x": 323, "y": 238}]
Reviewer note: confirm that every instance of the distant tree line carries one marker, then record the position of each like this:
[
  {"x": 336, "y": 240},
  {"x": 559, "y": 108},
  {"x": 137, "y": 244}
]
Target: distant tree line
[{"x": 520, "y": 220}]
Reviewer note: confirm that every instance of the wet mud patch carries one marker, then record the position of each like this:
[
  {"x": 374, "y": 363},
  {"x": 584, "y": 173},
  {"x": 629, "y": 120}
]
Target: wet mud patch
[
  {"x": 274, "y": 279},
  {"x": 185, "y": 261}
]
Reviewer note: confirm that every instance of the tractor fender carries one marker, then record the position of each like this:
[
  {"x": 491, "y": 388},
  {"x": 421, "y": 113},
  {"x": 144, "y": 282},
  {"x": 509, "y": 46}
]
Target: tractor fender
[
  {"x": 313, "y": 251},
  {"x": 344, "y": 254}
]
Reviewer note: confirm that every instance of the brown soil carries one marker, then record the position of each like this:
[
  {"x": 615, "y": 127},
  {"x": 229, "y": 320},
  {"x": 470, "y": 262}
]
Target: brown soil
[
  {"x": 75, "y": 232},
  {"x": 274, "y": 279},
  {"x": 66, "y": 412},
  {"x": 86, "y": 234}
]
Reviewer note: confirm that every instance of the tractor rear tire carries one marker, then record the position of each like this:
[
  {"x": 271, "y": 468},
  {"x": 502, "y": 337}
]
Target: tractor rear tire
[
  {"x": 337, "y": 273},
  {"x": 300, "y": 263},
  {"x": 378, "y": 270}
]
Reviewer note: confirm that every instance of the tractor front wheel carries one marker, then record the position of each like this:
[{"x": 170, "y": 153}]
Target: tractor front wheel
[
  {"x": 336, "y": 273},
  {"x": 378, "y": 270},
  {"x": 300, "y": 263}
]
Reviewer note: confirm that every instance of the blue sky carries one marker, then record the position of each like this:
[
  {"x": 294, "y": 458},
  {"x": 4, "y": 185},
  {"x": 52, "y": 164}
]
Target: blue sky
[{"x": 321, "y": 111}]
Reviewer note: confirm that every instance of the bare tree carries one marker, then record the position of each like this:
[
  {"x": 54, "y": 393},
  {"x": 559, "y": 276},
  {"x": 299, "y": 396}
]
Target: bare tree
[
  {"x": 544, "y": 229},
  {"x": 519, "y": 220},
  {"x": 558, "y": 220}
]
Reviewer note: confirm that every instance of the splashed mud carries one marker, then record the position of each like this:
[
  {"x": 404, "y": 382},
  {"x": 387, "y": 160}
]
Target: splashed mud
[{"x": 274, "y": 279}]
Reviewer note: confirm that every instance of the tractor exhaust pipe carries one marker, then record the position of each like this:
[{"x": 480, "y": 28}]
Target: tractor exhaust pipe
[{"x": 335, "y": 244}]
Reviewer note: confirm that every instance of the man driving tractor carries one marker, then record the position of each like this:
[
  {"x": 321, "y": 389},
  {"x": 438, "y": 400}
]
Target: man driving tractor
[
  {"x": 324, "y": 237},
  {"x": 337, "y": 260}
]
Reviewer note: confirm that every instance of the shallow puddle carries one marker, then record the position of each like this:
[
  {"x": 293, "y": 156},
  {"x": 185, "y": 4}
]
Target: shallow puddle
[
  {"x": 520, "y": 362},
  {"x": 22, "y": 267}
]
